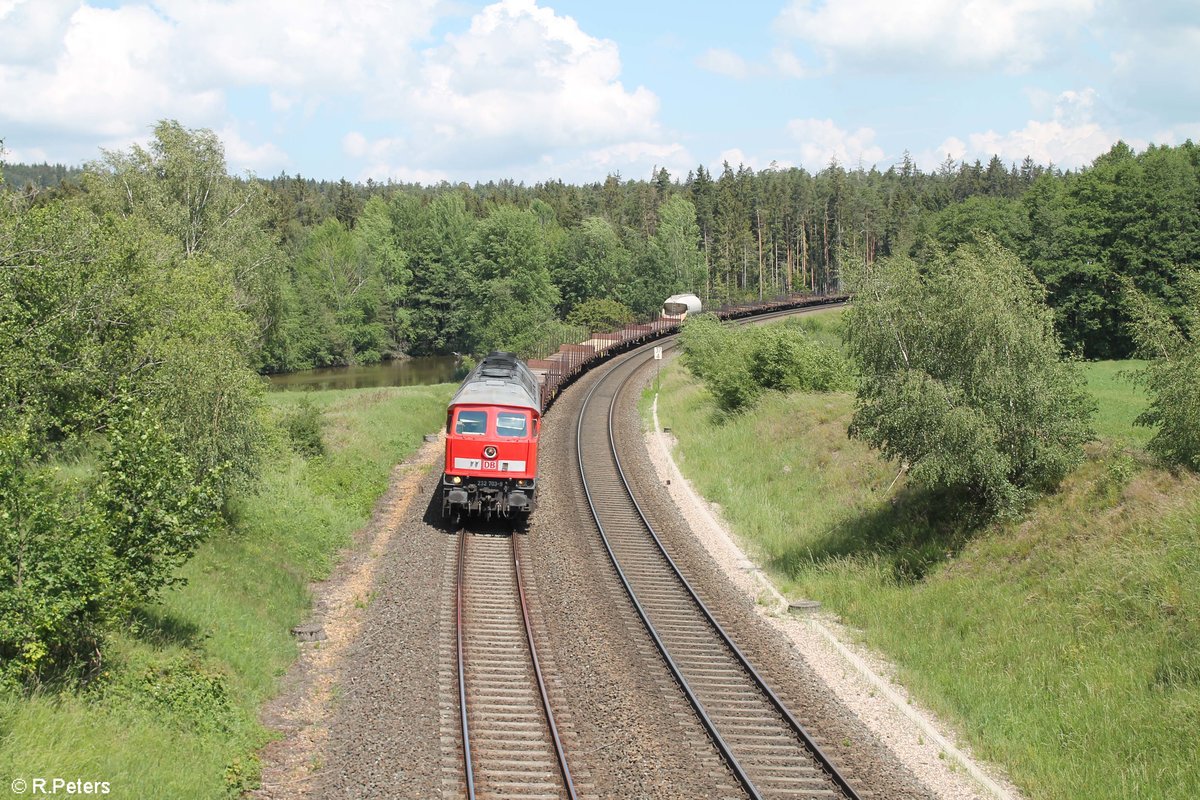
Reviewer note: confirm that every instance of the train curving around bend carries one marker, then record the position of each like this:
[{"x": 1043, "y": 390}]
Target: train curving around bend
[{"x": 492, "y": 427}]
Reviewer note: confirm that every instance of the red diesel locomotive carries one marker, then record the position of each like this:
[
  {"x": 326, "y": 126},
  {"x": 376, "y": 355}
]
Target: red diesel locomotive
[{"x": 492, "y": 441}]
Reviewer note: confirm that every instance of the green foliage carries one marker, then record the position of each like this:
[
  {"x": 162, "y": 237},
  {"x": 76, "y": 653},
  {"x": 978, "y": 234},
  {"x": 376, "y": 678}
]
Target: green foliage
[
  {"x": 784, "y": 358},
  {"x": 600, "y": 314},
  {"x": 1130, "y": 218},
  {"x": 677, "y": 239},
  {"x": 511, "y": 284},
  {"x": 54, "y": 566},
  {"x": 738, "y": 364},
  {"x": 1172, "y": 377},
  {"x": 179, "y": 187},
  {"x": 436, "y": 236},
  {"x": 127, "y": 328},
  {"x": 962, "y": 376},
  {"x": 341, "y": 297},
  {"x": 304, "y": 425},
  {"x": 1175, "y": 408},
  {"x": 739, "y": 235},
  {"x": 156, "y": 511},
  {"x": 78, "y": 554},
  {"x": 1004, "y": 219},
  {"x": 184, "y": 691},
  {"x": 591, "y": 263}
]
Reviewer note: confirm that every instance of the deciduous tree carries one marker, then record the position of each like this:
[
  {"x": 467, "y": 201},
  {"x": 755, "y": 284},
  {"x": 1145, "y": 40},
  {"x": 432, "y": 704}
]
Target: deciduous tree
[{"x": 963, "y": 379}]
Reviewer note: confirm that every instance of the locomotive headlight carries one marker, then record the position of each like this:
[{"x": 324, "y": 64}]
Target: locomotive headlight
[
  {"x": 489, "y": 452},
  {"x": 456, "y": 479}
]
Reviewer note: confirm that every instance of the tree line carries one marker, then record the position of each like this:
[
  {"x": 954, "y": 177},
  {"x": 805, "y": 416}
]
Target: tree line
[{"x": 370, "y": 271}]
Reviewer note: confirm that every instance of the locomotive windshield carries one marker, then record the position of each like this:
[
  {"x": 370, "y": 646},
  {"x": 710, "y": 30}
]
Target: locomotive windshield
[
  {"x": 471, "y": 422},
  {"x": 510, "y": 424},
  {"x": 674, "y": 309}
]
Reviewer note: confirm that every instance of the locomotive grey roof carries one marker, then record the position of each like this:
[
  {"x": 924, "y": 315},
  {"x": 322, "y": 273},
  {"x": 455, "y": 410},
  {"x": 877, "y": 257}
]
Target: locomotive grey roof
[{"x": 500, "y": 379}]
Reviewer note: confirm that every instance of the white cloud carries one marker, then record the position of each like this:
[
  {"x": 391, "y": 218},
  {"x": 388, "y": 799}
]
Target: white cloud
[
  {"x": 110, "y": 78},
  {"x": 789, "y": 65},
  {"x": 724, "y": 62},
  {"x": 33, "y": 29},
  {"x": 821, "y": 141},
  {"x": 526, "y": 93},
  {"x": 521, "y": 87},
  {"x": 318, "y": 45},
  {"x": 523, "y": 76},
  {"x": 72, "y": 73},
  {"x": 931, "y": 35},
  {"x": 1070, "y": 139},
  {"x": 242, "y": 156}
]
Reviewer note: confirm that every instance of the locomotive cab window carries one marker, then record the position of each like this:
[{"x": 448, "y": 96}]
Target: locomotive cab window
[
  {"x": 511, "y": 424},
  {"x": 471, "y": 422}
]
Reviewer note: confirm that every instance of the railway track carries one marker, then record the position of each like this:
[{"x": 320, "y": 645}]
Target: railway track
[
  {"x": 768, "y": 751},
  {"x": 510, "y": 745}
]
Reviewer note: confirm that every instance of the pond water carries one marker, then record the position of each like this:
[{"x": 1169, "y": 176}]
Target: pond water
[{"x": 402, "y": 372}]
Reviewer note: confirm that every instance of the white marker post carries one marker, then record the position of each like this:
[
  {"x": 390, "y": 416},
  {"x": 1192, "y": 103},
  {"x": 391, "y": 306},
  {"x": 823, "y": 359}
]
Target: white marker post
[{"x": 657, "y": 359}]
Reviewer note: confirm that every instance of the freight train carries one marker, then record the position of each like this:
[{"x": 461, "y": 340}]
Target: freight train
[{"x": 493, "y": 422}]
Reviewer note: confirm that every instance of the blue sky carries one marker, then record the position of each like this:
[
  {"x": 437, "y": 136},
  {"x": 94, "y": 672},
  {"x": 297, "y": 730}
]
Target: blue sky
[{"x": 532, "y": 90}]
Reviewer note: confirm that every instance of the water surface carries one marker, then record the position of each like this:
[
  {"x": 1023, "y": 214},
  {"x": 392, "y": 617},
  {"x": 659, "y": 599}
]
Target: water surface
[{"x": 404, "y": 372}]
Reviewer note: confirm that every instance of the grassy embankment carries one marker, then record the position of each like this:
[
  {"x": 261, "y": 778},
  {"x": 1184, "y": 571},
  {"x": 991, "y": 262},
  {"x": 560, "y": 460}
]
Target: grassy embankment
[
  {"x": 1065, "y": 644},
  {"x": 175, "y": 714}
]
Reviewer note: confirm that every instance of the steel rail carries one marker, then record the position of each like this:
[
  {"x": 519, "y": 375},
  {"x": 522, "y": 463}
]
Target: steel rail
[
  {"x": 462, "y": 676},
  {"x": 637, "y": 359},
  {"x": 473, "y": 762},
  {"x": 537, "y": 671}
]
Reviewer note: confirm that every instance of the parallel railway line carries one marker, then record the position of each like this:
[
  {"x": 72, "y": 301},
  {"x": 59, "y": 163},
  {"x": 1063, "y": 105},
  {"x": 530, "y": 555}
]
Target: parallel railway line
[{"x": 768, "y": 751}]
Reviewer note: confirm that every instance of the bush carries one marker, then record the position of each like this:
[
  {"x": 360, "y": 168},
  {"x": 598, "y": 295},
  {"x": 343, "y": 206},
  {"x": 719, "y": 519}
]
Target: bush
[
  {"x": 782, "y": 357},
  {"x": 963, "y": 380},
  {"x": 1174, "y": 384},
  {"x": 77, "y": 554},
  {"x": 719, "y": 356},
  {"x": 304, "y": 425},
  {"x": 154, "y": 512},
  {"x": 738, "y": 364},
  {"x": 54, "y": 566}
]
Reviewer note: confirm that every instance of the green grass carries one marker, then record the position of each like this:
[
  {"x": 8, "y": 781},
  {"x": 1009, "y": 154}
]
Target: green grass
[
  {"x": 175, "y": 715},
  {"x": 1065, "y": 644},
  {"x": 1118, "y": 401}
]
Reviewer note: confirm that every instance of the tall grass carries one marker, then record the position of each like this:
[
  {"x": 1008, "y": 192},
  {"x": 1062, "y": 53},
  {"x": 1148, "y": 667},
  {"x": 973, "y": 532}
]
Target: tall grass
[
  {"x": 175, "y": 713},
  {"x": 1065, "y": 644}
]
